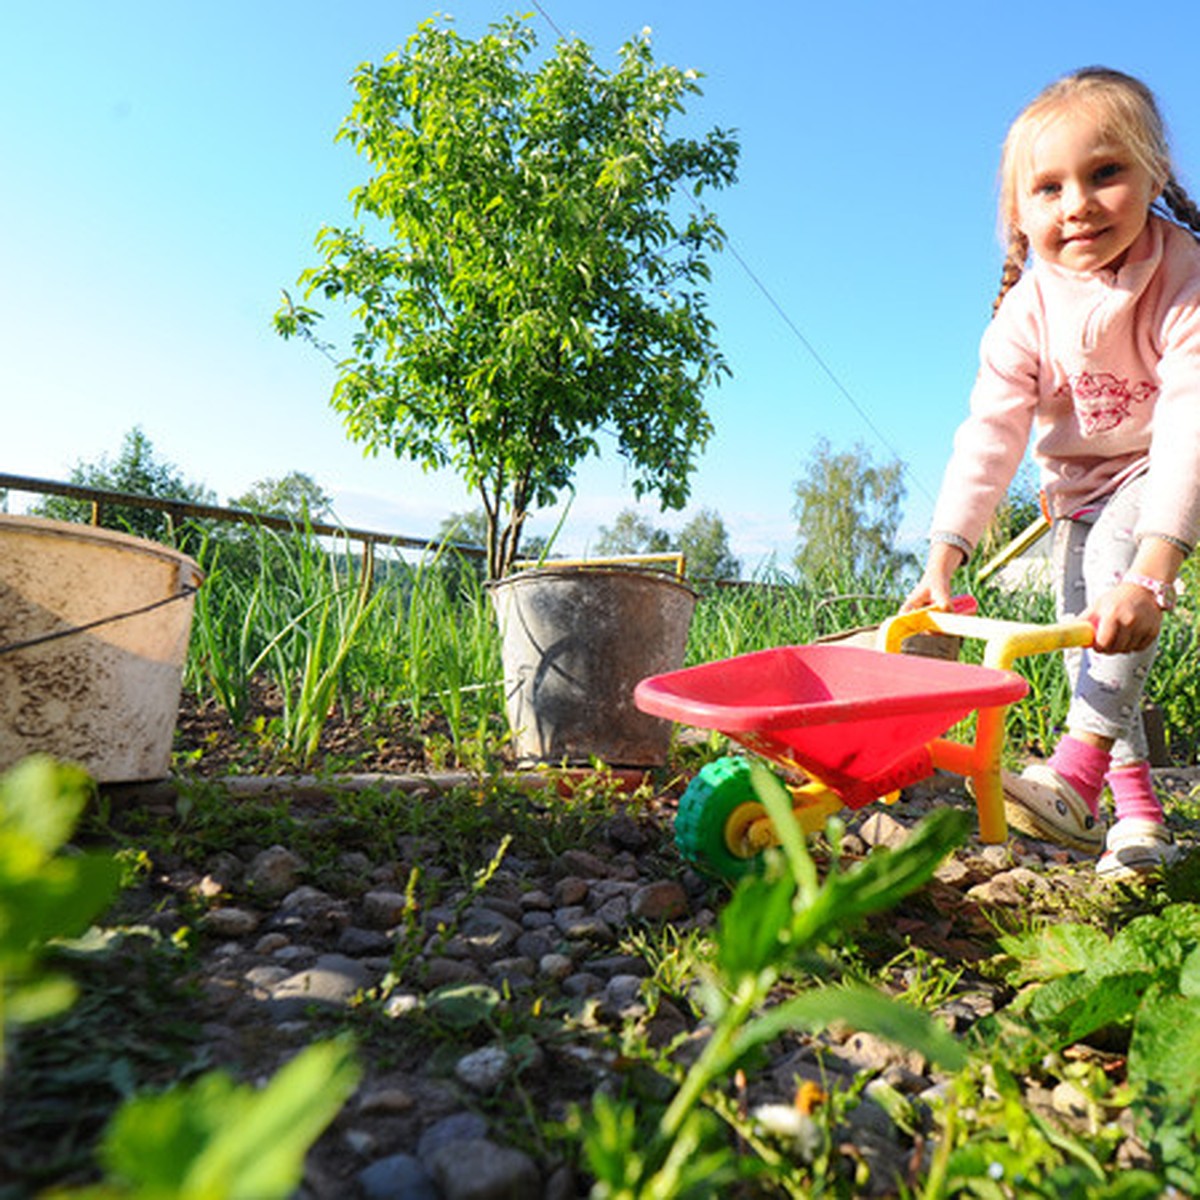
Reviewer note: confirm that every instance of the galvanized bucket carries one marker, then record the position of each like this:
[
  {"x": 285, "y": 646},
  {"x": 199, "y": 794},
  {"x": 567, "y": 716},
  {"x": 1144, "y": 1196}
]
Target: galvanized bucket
[{"x": 575, "y": 642}]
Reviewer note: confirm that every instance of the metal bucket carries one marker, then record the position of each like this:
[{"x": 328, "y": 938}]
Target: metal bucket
[
  {"x": 94, "y": 629},
  {"x": 575, "y": 643}
]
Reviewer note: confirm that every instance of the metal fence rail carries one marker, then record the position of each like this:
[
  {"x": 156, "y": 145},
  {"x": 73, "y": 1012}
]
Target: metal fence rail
[{"x": 178, "y": 510}]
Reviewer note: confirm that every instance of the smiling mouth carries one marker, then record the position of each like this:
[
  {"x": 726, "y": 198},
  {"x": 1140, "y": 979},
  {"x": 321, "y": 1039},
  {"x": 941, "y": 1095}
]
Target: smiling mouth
[{"x": 1084, "y": 238}]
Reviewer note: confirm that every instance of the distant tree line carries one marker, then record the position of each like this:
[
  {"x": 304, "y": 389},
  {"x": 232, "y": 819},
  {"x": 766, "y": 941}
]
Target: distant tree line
[{"x": 847, "y": 510}]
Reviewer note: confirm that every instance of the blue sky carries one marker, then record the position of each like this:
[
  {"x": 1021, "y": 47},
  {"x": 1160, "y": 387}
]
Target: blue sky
[{"x": 166, "y": 166}]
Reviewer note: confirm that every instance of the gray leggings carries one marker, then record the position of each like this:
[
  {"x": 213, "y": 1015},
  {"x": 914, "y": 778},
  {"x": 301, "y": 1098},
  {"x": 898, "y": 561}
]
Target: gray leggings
[{"x": 1089, "y": 554}]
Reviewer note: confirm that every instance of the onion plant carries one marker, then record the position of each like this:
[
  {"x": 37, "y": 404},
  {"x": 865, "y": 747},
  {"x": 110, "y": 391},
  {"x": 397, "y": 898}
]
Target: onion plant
[{"x": 420, "y": 637}]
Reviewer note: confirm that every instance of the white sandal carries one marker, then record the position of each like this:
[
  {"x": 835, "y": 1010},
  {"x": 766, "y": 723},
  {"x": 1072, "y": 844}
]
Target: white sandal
[{"x": 1136, "y": 846}]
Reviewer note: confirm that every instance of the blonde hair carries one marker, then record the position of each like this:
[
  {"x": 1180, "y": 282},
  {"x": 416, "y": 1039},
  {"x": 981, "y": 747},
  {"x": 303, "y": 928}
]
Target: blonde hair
[{"x": 1126, "y": 110}]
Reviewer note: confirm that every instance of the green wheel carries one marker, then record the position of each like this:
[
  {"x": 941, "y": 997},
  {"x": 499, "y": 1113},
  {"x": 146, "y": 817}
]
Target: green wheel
[{"x": 714, "y": 813}]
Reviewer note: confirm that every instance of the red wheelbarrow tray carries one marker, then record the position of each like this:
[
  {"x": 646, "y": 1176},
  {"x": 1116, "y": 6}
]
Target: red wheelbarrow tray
[{"x": 858, "y": 720}]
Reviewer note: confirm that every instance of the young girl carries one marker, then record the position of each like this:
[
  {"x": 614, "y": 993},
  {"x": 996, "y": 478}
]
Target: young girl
[{"x": 1096, "y": 349}]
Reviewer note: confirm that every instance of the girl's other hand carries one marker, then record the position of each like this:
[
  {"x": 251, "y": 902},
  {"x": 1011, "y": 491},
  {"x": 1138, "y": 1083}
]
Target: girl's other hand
[
  {"x": 934, "y": 587},
  {"x": 1126, "y": 619}
]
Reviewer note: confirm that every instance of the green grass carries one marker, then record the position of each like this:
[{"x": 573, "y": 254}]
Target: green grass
[{"x": 422, "y": 641}]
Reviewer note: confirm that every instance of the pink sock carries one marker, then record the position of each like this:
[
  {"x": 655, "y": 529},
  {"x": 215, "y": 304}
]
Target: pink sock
[
  {"x": 1083, "y": 767},
  {"x": 1133, "y": 792}
]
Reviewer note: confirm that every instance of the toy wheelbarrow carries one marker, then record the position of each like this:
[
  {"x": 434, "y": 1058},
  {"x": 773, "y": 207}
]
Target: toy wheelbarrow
[{"x": 848, "y": 724}]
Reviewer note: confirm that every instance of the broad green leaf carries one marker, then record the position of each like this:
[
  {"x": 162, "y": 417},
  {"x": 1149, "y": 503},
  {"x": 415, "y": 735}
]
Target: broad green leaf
[
  {"x": 861, "y": 1008},
  {"x": 778, "y": 803},
  {"x": 462, "y": 1005},
  {"x": 752, "y": 926},
  {"x": 1165, "y": 1047},
  {"x": 40, "y": 801},
  {"x": 882, "y": 879},
  {"x": 1189, "y": 974},
  {"x": 215, "y": 1138},
  {"x": 44, "y": 997},
  {"x": 1054, "y": 950},
  {"x": 1077, "y": 1005}
]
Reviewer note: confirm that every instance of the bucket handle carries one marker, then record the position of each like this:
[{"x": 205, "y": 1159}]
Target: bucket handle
[
  {"x": 619, "y": 560},
  {"x": 185, "y": 590}
]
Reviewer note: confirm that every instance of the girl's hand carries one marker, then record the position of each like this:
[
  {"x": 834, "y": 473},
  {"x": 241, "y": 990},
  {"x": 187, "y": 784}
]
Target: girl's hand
[
  {"x": 1126, "y": 619},
  {"x": 934, "y": 587}
]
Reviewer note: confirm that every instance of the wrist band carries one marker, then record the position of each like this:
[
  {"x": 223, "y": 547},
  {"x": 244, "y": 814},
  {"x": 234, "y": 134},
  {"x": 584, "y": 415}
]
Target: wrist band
[
  {"x": 1178, "y": 543},
  {"x": 953, "y": 539},
  {"x": 1163, "y": 592}
]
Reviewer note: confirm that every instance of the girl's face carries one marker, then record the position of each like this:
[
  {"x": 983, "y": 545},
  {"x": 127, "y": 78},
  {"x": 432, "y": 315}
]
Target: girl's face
[{"x": 1084, "y": 198}]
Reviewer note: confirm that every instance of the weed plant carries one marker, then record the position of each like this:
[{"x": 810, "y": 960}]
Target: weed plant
[{"x": 421, "y": 639}]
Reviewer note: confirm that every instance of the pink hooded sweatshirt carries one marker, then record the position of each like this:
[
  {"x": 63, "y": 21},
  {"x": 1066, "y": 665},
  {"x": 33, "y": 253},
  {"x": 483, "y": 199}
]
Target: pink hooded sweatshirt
[{"x": 1104, "y": 368}]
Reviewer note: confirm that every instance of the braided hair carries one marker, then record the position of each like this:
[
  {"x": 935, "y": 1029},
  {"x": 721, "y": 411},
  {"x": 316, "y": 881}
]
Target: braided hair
[{"x": 1128, "y": 110}]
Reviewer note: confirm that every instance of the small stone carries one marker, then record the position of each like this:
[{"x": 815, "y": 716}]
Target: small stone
[
  {"x": 625, "y": 833},
  {"x": 457, "y": 1127},
  {"x": 270, "y": 942},
  {"x": 484, "y": 1070},
  {"x": 880, "y": 829},
  {"x": 208, "y": 888},
  {"x": 395, "y": 1176},
  {"x": 622, "y": 998},
  {"x": 358, "y": 943},
  {"x": 570, "y": 891},
  {"x": 1069, "y": 1100},
  {"x": 401, "y": 1004},
  {"x": 517, "y": 973},
  {"x": 953, "y": 872},
  {"x": 229, "y": 922},
  {"x": 536, "y": 944},
  {"x": 481, "y": 1170},
  {"x": 869, "y": 1052},
  {"x": 333, "y": 981},
  {"x": 484, "y": 934},
  {"x": 383, "y": 909},
  {"x": 266, "y": 977},
  {"x": 555, "y": 966},
  {"x": 359, "y": 1141},
  {"x": 585, "y": 864},
  {"x": 274, "y": 872},
  {"x": 441, "y": 971},
  {"x": 582, "y": 984},
  {"x": 665, "y": 900},
  {"x": 1011, "y": 888},
  {"x": 305, "y": 896},
  {"x": 579, "y": 925},
  {"x": 614, "y": 912},
  {"x": 386, "y": 1101}
]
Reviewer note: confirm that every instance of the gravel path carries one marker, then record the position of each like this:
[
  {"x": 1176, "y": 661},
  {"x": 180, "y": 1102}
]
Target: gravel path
[{"x": 443, "y": 1115}]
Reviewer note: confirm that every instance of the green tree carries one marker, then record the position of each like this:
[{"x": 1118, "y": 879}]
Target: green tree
[
  {"x": 530, "y": 275},
  {"x": 631, "y": 533},
  {"x": 465, "y": 528},
  {"x": 294, "y": 495},
  {"x": 136, "y": 471},
  {"x": 704, "y": 543},
  {"x": 847, "y": 514}
]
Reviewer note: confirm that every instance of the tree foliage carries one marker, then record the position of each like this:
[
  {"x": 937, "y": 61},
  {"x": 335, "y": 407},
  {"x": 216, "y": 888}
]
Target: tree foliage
[
  {"x": 296, "y": 495},
  {"x": 527, "y": 280},
  {"x": 847, "y": 514},
  {"x": 703, "y": 541},
  {"x": 137, "y": 471},
  {"x": 632, "y": 533}
]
